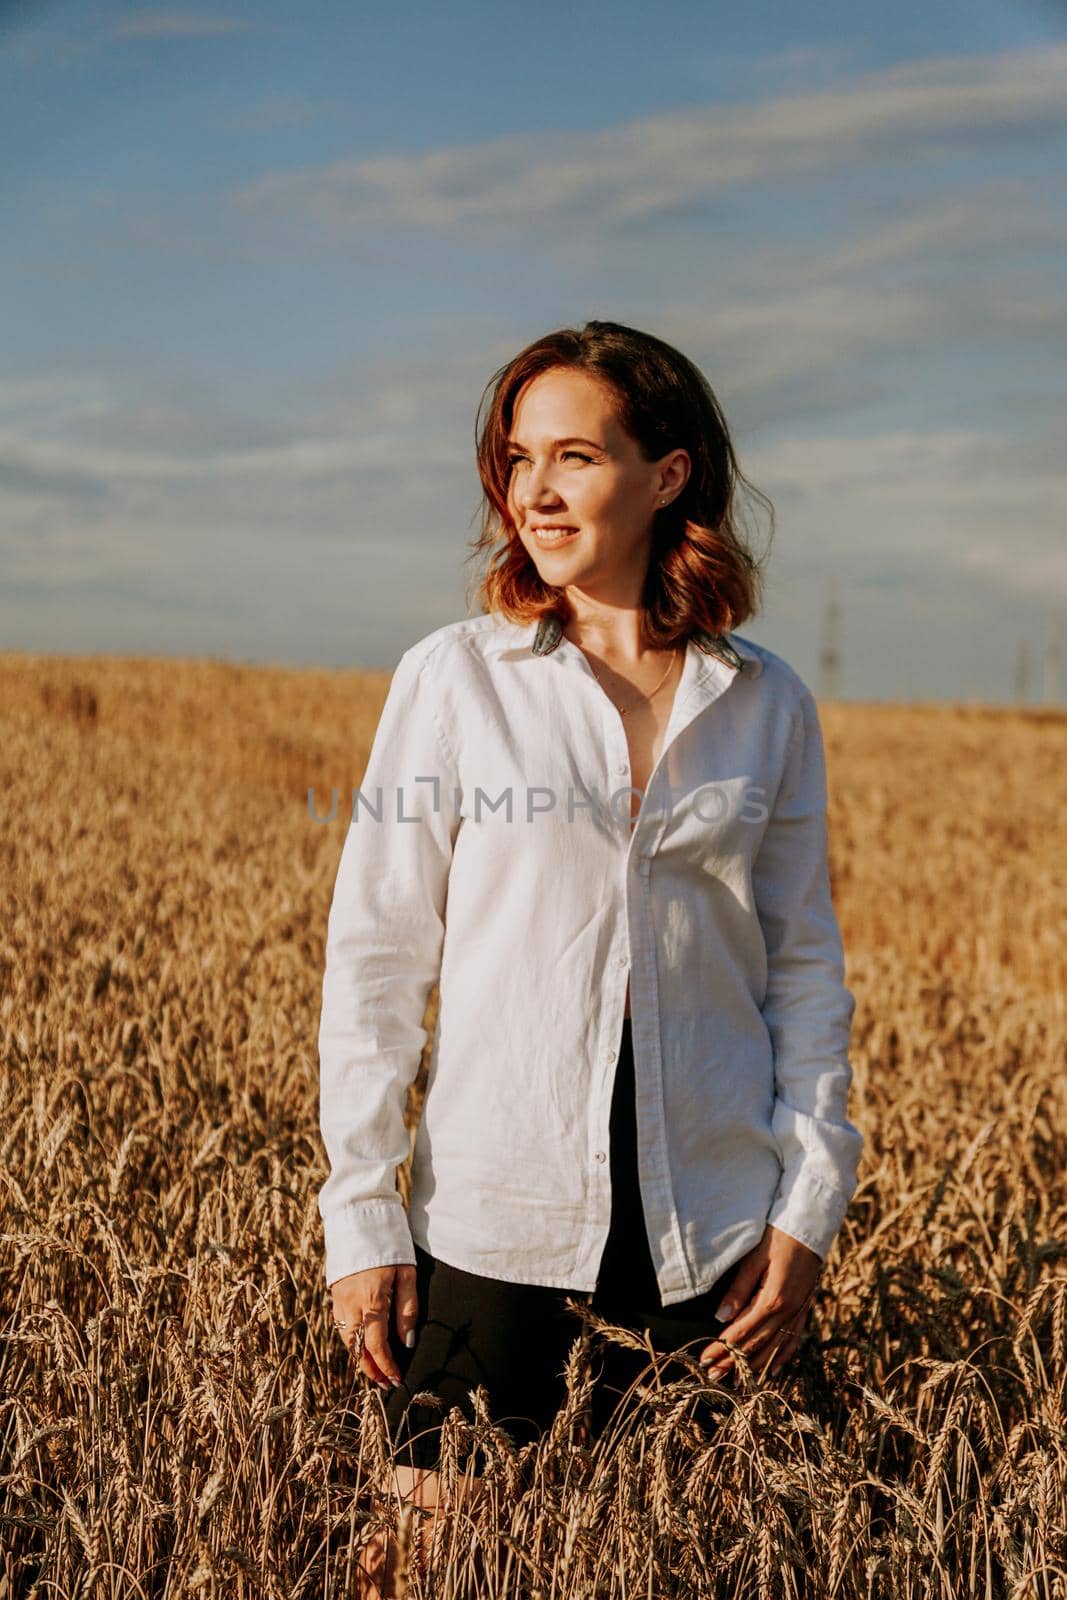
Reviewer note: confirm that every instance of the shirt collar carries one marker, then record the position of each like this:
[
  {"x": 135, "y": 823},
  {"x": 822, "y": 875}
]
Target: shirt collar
[{"x": 547, "y": 632}]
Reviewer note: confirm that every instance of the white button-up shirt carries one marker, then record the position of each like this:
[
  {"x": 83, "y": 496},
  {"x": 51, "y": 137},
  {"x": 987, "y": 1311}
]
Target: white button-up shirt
[{"x": 489, "y": 848}]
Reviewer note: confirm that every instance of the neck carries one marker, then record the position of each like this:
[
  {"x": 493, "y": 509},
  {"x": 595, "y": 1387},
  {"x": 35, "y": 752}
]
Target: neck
[{"x": 613, "y": 632}]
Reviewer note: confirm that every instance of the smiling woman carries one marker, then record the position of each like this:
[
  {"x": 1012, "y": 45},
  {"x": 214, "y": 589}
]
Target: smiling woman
[
  {"x": 639, "y": 404},
  {"x": 677, "y": 1154}
]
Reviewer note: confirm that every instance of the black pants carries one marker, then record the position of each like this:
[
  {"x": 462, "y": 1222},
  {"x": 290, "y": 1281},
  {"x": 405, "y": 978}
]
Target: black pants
[{"x": 515, "y": 1338}]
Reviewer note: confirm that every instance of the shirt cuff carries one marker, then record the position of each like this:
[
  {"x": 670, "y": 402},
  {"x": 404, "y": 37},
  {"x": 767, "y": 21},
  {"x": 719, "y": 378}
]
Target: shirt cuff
[
  {"x": 809, "y": 1210},
  {"x": 368, "y": 1233}
]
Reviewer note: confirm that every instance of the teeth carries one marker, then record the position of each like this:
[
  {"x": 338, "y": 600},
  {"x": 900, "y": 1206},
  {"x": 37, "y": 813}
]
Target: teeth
[{"x": 551, "y": 534}]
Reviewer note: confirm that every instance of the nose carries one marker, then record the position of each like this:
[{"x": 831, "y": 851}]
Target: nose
[{"x": 535, "y": 489}]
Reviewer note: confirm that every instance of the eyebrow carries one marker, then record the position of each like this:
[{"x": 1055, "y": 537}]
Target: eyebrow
[{"x": 574, "y": 439}]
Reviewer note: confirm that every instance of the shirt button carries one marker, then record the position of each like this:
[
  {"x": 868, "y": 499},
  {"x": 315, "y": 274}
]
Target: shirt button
[
  {"x": 622, "y": 961},
  {"x": 610, "y": 1057},
  {"x": 621, "y": 769},
  {"x": 600, "y": 1156}
]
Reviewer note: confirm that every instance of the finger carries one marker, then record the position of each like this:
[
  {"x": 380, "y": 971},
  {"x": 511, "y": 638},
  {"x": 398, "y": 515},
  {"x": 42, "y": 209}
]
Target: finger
[
  {"x": 749, "y": 1334},
  {"x": 407, "y": 1305},
  {"x": 773, "y": 1305},
  {"x": 777, "y": 1346},
  {"x": 353, "y": 1337},
  {"x": 743, "y": 1331},
  {"x": 376, "y": 1344},
  {"x": 785, "y": 1353},
  {"x": 753, "y": 1332},
  {"x": 357, "y": 1346},
  {"x": 742, "y": 1290},
  {"x": 739, "y": 1310},
  {"x": 775, "y": 1343},
  {"x": 784, "y": 1360},
  {"x": 349, "y": 1330}
]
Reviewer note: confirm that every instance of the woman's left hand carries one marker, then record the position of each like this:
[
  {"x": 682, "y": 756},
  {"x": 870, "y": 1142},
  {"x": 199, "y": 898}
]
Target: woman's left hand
[{"x": 766, "y": 1304}]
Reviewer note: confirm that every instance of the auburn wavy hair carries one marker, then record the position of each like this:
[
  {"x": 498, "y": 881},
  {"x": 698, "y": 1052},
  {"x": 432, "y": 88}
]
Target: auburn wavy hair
[{"x": 701, "y": 572}]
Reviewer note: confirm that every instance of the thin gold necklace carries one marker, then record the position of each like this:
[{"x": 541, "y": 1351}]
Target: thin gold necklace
[{"x": 624, "y": 711}]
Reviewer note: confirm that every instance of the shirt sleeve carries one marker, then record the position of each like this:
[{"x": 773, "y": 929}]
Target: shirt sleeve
[
  {"x": 384, "y": 940},
  {"x": 807, "y": 1009}
]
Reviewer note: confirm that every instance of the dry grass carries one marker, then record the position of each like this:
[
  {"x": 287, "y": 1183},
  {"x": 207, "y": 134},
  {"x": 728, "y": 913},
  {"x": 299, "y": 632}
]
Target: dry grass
[{"x": 179, "y": 1417}]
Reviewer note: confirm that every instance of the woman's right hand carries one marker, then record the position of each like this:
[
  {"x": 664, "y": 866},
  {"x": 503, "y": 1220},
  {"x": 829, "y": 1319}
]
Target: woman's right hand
[{"x": 364, "y": 1298}]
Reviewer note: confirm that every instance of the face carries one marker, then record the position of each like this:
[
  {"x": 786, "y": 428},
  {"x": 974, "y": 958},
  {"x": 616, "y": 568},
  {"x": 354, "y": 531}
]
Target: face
[{"x": 573, "y": 466}]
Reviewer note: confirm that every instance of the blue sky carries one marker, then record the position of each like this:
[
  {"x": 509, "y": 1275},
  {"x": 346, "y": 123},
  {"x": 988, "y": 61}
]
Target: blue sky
[{"x": 259, "y": 262}]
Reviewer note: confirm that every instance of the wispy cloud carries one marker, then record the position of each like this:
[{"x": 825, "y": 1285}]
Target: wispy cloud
[
  {"x": 97, "y": 489},
  {"x": 277, "y": 111},
  {"x": 654, "y": 164},
  {"x": 152, "y": 24},
  {"x": 1034, "y": 568},
  {"x": 997, "y": 217},
  {"x": 806, "y": 58},
  {"x": 917, "y": 507},
  {"x": 814, "y": 338}
]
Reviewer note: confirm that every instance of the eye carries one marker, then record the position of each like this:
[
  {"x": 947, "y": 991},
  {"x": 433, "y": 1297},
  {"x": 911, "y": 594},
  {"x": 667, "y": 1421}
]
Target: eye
[{"x": 578, "y": 454}]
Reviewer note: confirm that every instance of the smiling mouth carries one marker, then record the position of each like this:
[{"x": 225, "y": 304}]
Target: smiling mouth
[{"x": 552, "y": 536}]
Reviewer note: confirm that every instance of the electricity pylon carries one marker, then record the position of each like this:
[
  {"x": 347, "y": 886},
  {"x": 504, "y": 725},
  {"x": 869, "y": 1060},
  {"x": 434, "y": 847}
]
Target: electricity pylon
[
  {"x": 1052, "y": 659},
  {"x": 830, "y": 653}
]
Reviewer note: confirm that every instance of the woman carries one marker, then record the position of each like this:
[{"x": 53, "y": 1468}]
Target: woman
[{"x": 598, "y": 820}]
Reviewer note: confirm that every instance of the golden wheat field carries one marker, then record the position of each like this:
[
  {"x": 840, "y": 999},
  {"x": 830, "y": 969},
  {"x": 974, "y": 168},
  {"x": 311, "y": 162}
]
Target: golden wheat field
[{"x": 180, "y": 1418}]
